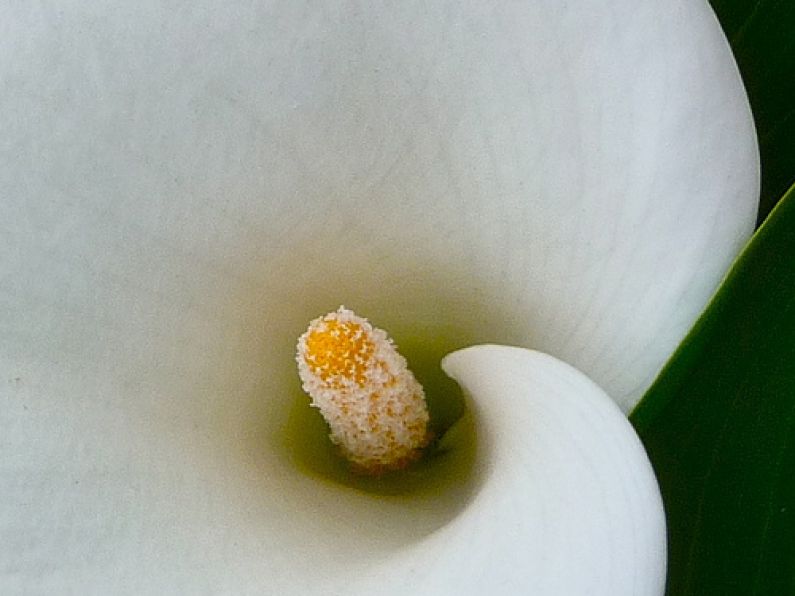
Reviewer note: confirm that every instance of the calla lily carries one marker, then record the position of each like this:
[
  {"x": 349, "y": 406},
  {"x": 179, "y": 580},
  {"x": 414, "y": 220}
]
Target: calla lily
[{"x": 187, "y": 185}]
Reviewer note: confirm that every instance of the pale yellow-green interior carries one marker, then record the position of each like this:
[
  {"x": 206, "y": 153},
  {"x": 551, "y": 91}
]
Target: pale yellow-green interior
[
  {"x": 426, "y": 323},
  {"x": 418, "y": 305}
]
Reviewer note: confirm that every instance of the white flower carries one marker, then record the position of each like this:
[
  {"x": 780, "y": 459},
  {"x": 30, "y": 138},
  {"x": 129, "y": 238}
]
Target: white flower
[{"x": 187, "y": 184}]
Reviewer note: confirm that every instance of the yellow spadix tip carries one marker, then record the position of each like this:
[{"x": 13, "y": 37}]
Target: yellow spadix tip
[{"x": 374, "y": 406}]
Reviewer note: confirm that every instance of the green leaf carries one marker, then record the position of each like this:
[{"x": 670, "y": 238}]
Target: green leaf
[
  {"x": 762, "y": 36},
  {"x": 719, "y": 427}
]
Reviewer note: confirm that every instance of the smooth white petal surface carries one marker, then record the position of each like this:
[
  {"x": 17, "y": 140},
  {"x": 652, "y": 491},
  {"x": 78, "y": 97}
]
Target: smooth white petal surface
[
  {"x": 568, "y": 502},
  {"x": 186, "y": 184}
]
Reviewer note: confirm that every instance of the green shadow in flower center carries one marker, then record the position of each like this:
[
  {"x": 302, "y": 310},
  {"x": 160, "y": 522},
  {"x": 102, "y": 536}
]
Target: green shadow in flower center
[
  {"x": 430, "y": 310},
  {"x": 447, "y": 462}
]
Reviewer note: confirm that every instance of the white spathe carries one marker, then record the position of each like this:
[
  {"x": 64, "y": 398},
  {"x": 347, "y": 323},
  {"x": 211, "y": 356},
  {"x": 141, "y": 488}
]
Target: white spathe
[
  {"x": 569, "y": 505},
  {"x": 187, "y": 184}
]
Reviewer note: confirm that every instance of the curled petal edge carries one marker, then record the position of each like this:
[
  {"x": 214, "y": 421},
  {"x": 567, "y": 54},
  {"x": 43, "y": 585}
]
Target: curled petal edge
[{"x": 567, "y": 502}]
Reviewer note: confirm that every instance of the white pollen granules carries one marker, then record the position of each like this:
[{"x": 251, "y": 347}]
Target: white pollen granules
[{"x": 371, "y": 401}]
